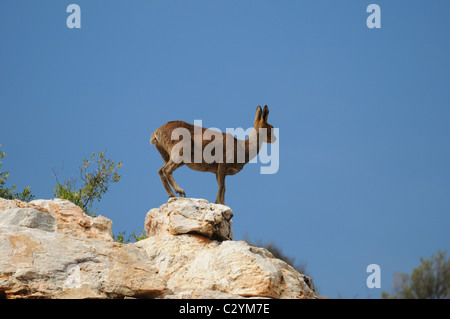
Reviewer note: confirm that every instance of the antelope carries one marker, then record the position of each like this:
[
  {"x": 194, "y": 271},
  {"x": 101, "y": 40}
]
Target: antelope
[{"x": 232, "y": 153}]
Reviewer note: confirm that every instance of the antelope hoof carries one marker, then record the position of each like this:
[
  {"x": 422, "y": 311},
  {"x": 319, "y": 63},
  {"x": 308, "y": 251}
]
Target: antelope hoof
[{"x": 182, "y": 194}]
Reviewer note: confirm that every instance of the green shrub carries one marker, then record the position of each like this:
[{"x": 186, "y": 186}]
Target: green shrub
[
  {"x": 10, "y": 192},
  {"x": 122, "y": 238},
  {"x": 96, "y": 173}
]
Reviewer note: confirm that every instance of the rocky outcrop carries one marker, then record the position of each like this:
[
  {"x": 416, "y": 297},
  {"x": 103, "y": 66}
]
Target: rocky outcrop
[
  {"x": 187, "y": 215},
  {"x": 66, "y": 218},
  {"x": 51, "y": 249}
]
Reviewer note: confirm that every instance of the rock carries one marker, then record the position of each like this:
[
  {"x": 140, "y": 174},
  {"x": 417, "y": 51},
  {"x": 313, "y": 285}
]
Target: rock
[
  {"x": 70, "y": 219},
  {"x": 51, "y": 249},
  {"x": 46, "y": 254},
  {"x": 73, "y": 221},
  {"x": 38, "y": 264},
  {"x": 190, "y": 215},
  {"x": 27, "y": 217}
]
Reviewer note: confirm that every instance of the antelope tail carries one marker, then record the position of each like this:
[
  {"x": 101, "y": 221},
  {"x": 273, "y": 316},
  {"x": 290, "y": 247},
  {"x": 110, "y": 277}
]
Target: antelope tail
[{"x": 153, "y": 139}]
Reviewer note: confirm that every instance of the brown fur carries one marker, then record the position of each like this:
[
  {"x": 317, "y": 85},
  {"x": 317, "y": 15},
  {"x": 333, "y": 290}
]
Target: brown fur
[{"x": 162, "y": 139}]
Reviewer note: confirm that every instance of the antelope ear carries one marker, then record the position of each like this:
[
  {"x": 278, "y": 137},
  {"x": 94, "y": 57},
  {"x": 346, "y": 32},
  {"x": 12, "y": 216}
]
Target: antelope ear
[
  {"x": 265, "y": 113},
  {"x": 258, "y": 113}
]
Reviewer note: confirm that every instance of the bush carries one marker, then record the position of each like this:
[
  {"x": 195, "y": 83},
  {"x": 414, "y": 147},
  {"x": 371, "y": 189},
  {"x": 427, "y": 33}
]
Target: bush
[
  {"x": 122, "y": 238},
  {"x": 10, "y": 193},
  {"x": 95, "y": 182},
  {"x": 431, "y": 280}
]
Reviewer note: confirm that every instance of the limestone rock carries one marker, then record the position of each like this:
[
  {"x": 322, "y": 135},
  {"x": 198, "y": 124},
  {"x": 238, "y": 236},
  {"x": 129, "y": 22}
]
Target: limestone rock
[
  {"x": 43, "y": 258},
  {"x": 51, "y": 249},
  {"x": 70, "y": 219},
  {"x": 195, "y": 266},
  {"x": 73, "y": 221},
  {"x": 27, "y": 217},
  {"x": 190, "y": 215}
]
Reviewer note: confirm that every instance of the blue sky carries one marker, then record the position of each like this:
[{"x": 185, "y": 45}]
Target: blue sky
[{"x": 363, "y": 115}]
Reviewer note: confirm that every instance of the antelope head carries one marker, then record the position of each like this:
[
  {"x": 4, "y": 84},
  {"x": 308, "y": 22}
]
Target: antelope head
[{"x": 261, "y": 122}]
